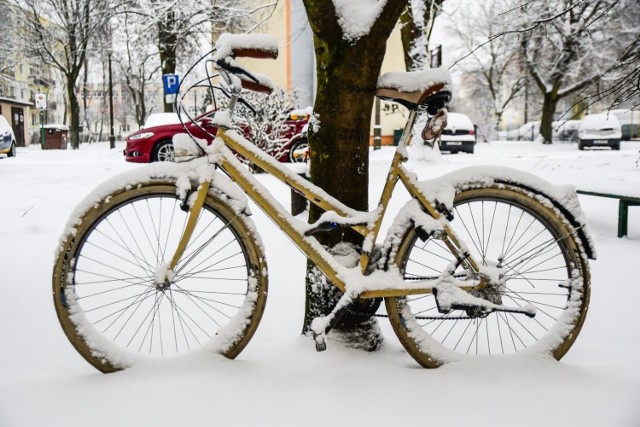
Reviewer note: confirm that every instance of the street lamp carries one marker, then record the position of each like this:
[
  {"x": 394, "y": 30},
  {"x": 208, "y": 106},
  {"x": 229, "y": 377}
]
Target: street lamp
[{"x": 112, "y": 138}]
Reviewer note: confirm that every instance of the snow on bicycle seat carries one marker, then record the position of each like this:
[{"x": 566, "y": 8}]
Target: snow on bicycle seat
[
  {"x": 246, "y": 45},
  {"x": 414, "y": 88}
]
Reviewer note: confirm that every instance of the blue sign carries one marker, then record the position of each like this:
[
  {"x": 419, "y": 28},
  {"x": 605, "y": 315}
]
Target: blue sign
[{"x": 171, "y": 83}]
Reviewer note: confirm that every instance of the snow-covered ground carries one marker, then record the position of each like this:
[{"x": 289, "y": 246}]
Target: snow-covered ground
[{"x": 279, "y": 379}]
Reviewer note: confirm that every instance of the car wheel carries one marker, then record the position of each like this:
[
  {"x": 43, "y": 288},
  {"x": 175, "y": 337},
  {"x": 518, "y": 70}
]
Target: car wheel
[
  {"x": 12, "y": 152},
  {"x": 163, "y": 152},
  {"x": 298, "y": 145},
  {"x": 615, "y": 146},
  {"x": 580, "y": 146}
]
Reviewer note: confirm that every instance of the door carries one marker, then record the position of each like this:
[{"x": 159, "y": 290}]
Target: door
[{"x": 17, "y": 119}]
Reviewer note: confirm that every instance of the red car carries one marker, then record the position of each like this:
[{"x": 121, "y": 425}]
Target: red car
[{"x": 154, "y": 144}]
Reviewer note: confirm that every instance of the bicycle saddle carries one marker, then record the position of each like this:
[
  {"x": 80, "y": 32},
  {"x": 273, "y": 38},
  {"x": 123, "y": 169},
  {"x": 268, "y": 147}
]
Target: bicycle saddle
[{"x": 427, "y": 89}]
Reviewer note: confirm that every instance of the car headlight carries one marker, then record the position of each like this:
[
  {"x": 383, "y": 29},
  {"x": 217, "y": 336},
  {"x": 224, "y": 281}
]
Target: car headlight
[{"x": 142, "y": 135}]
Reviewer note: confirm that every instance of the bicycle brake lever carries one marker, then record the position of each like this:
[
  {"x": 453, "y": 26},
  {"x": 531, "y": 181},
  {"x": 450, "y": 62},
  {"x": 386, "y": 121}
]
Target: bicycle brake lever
[
  {"x": 246, "y": 104},
  {"x": 234, "y": 69}
]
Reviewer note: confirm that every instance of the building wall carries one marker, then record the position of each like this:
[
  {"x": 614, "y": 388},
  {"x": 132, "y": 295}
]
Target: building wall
[{"x": 6, "y": 106}]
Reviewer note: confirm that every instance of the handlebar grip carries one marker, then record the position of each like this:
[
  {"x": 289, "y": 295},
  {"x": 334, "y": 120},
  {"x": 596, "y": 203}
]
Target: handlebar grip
[
  {"x": 258, "y": 46},
  {"x": 254, "y": 53},
  {"x": 256, "y": 86}
]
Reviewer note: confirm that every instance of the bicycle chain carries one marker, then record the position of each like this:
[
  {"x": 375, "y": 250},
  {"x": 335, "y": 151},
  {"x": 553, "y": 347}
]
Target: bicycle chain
[
  {"x": 361, "y": 313},
  {"x": 415, "y": 317}
]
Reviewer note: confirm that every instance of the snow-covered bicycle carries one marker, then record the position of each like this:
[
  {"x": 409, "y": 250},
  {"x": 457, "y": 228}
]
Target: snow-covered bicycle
[{"x": 165, "y": 260}]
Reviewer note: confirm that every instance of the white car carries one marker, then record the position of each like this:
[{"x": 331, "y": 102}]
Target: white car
[
  {"x": 459, "y": 135},
  {"x": 529, "y": 131},
  {"x": 566, "y": 131},
  {"x": 599, "y": 130},
  {"x": 7, "y": 138}
]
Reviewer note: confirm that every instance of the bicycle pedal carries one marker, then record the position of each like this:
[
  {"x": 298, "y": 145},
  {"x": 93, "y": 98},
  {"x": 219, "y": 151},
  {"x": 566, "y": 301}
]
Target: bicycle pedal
[{"x": 321, "y": 341}]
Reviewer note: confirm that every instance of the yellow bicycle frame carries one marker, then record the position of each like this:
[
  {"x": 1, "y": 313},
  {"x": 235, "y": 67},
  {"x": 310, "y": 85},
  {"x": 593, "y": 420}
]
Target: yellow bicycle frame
[{"x": 308, "y": 244}]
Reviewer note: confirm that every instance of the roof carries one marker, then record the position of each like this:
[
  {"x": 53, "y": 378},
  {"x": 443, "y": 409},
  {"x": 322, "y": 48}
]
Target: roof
[{"x": 16, "y": 102}]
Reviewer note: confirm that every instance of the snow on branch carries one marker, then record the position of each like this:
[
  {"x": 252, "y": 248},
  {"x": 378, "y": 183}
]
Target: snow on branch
[{"x": 356, "y": 17}]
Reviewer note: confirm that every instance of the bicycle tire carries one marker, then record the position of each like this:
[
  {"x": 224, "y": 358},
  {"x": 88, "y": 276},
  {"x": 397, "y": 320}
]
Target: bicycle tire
[
  {"x": 105, "y": 288},
  {"x": 529, "y": 237}
]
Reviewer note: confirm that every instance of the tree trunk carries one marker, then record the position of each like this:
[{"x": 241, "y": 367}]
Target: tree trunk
[
  {"x": 167, "y": 41},
  {"x": 74, "y": 107},
  {"x": 546, "y": 122},
  {"x": 347, "y": 72},
  {"x": 416, "y": 32}
]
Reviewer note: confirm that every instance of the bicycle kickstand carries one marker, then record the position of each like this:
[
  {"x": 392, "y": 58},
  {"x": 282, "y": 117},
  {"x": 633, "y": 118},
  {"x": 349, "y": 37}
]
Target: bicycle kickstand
[{"x": 320, "y": 326}]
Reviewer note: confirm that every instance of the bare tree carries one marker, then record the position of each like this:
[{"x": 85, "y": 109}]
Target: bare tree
[
  {"x": 566, "y": 46},
  {"x": 417, "y": 25},
  {"x": 138, "y": 61},
  {"x": 60, "y": 32},
  {"x": 7, "y": 29},
  {"x": 493, "y": 70},
  {"x": 182, "y": 25},
  {"x": 620, "y": 82}
]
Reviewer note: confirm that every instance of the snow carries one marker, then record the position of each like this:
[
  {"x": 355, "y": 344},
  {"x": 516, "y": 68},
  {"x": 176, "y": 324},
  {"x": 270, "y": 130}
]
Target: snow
[
  {"x": 159, "y": 119},
  {"x": 356, "y": 17},
  {"x": 595, "y": 126},
  {"x": 458, "y": 121},
  {"x": 228, "y": 43},
  {"x": 279, "y": 379},
  {"x": 414, "y": 81}
]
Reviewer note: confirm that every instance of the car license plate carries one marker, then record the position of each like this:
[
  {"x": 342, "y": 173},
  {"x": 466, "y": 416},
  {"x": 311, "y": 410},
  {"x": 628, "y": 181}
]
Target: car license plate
[
  {"x": 600, "y": 141},
  {"x": 453, "y": 143}
]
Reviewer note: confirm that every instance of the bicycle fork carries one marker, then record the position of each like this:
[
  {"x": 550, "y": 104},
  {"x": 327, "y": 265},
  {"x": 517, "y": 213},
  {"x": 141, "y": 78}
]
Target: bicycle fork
[{"x": 164, "y": 276}]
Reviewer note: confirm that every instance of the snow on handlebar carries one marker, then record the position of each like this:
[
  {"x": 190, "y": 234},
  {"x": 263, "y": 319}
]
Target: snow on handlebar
[
  {"x": 246, "y": 45},
  {"x": 231, "y": 46}
]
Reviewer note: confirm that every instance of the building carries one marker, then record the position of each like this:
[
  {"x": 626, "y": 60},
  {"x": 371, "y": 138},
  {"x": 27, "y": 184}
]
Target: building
[{"x": 22, "y": 76}]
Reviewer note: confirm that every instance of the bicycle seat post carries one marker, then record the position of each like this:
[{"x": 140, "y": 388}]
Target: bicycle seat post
[{"x": 406, "y": 133}]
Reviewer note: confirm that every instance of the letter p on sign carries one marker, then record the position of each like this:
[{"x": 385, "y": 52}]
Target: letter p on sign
[{"x": 171, "y": 83}]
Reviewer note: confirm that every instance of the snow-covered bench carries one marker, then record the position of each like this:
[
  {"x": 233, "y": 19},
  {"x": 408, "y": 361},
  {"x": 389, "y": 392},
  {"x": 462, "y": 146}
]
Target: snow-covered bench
[{"x": 623, "y": 207}]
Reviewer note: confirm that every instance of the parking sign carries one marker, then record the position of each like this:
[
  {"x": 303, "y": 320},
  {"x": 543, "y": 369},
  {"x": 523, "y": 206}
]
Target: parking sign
[{"x": 171, "y": 83}]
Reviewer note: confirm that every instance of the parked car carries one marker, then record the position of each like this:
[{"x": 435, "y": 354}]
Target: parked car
[
  {"x": 629, "y": 122},
  {"x": 7, "y": 138},
  {"x": 299, "y": 147},
  {"x": 153, "y": 143},
  {"x": 599, "y": 130},
  {"x": 566, "y": 131},
  {"x": 458, "y": 135},
  {"x": 528, "y": 131},
  {"x": 630, "y": 131}
]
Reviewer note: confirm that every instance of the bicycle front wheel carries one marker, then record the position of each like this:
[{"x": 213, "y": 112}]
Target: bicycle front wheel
[
  {"x": 535, "y": 251},
  {"x": 118, "y": 306}
]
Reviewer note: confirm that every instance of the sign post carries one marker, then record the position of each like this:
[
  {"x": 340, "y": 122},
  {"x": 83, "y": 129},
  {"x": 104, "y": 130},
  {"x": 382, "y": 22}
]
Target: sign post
[
  {"x": 171, "y": 83},
  {"x": 41, "y": 104}
]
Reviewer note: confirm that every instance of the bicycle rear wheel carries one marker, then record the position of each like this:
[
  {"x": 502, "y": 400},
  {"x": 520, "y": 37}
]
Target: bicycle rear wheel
[
  {"x": 538, "y": 255},
  {"x": 118, "y": 306}
]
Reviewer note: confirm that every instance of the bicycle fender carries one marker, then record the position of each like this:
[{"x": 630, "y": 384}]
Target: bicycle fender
[
  {"x": 562, "y": 198},
  {"x": 186, "y": 177}
]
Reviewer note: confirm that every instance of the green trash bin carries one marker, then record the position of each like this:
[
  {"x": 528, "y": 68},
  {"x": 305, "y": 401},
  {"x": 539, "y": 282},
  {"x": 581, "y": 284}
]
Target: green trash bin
[{"x": 397, "y": 134}]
